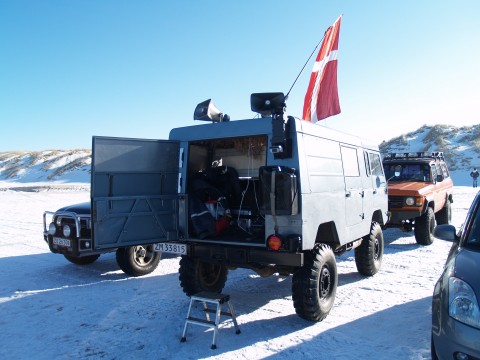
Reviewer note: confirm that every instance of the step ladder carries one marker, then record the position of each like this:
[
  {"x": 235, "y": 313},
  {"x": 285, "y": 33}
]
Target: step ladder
[{"x": 217, "y": 300}]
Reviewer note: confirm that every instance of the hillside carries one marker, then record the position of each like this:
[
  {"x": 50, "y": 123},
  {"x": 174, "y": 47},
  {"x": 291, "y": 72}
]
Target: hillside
[
  {"x": 57, "y": 166},
  {"x": 461, "y": 146}
]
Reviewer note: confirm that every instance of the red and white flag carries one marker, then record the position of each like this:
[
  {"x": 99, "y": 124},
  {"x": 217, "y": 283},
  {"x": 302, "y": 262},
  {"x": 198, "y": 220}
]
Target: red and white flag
[{"x": 321, "y": 100}]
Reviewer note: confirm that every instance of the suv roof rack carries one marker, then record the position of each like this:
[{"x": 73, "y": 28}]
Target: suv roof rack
[{"x": 437, "y": 155}]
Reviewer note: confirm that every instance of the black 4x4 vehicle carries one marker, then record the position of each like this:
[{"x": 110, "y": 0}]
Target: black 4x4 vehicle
[
  {"x": 419, "y": 192},
  {"x": 68, "y": 231}
]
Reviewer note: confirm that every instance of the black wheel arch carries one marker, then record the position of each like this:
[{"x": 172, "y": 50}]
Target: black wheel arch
[{"x": 327, "y": 234}]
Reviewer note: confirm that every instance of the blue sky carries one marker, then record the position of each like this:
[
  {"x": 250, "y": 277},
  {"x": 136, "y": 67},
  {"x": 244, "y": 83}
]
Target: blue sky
[{"x": 73, "y": 69}]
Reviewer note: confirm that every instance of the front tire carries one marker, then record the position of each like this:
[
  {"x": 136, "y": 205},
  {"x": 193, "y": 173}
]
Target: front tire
[
  {"x": 196, "y": 275},
  {"x": 138, "y": 260},
  {"x": 84, "y": 260},
  {"x": 424, "y": 226},
  {"x": 369, "y": 255},
  {"x": 314, "y": 285}
]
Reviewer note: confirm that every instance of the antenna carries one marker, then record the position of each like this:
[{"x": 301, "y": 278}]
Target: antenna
[{"x": 303, "y": 68}]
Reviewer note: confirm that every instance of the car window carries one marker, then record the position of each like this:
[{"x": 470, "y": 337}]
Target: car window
[
  {"x": 434, "y": 172},
  {"x": 445, "y": 171},
  {"x": 376, "y": 164},
  {"x": 474, "y": 235},
  {"x": 367, "y": 163},
  {"x": 410, "y": 172},
  {"x": 439, "y": 169}
]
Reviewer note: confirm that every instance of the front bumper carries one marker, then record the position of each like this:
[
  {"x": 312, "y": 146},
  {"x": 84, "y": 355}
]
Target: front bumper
[
  {"x": 77, "y": 247},
  {"x": 398, "y": 217},
  {"x": 454, "y": 337},
  {"x": 79, "y": 244}
]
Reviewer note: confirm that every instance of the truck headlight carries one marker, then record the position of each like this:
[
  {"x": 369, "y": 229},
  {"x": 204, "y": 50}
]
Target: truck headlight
[
  {"x": 52, "y": 229},
  {"x": 67, "y": 231},
  {"x": 462, "y": 302},
  {"x": 410, "y": 201},
  {"x": 414, "y": 201}
]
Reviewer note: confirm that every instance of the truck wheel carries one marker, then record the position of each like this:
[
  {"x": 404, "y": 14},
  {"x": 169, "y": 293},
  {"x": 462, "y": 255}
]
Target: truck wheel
[
  {"x": 444, "y": 216},
  {"x": 137, "y": 260},
  {"x": 85, "y": 260},
  {"x": 196, "y": 276},
  {"x": 314, "y": 285},
  {"x": 369, "y": 255},
  {"x": 424, "y": 226}
]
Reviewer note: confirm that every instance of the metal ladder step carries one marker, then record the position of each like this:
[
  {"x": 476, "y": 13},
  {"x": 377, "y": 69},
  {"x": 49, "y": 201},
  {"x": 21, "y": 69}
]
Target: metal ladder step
[{"x": 217, "y": 300}]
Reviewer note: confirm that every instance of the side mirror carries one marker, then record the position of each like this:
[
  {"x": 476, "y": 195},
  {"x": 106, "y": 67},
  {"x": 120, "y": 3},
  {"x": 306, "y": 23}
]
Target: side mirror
[
  {"x": 398, "y": 170},
  {"x": 446, "y": 232}
]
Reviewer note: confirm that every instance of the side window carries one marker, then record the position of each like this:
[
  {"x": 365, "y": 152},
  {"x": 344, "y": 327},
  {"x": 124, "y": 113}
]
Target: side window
[
  {"x": 434, "y": 173},
  {"x": 367, "y": 163},
  {"x": 350, "y": 161},
  {"x": 439, "y": 170},
  {"x": 445, "y": 170},
  {"x": 376, "y": 164}
]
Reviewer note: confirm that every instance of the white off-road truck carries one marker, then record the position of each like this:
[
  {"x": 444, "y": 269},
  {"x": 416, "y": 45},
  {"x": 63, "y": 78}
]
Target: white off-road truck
[{"x": 274, "y": 194}]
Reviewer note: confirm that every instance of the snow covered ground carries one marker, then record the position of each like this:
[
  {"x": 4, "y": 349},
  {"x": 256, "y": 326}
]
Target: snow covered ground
[{"x": 51, "y": 309}]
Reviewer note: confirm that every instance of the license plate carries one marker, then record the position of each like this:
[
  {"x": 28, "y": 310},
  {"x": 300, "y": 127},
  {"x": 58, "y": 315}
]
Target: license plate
[
  {"x": 62, "y": 242},
  {"x": 171, "y": 248}
]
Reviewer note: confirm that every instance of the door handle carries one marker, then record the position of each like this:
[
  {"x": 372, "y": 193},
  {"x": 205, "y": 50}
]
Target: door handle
[{"x": 348, "y": 194}]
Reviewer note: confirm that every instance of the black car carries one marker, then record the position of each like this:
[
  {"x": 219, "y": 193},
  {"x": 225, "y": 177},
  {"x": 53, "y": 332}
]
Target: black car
[
  {"x": 455, "y": 302},
  {"x": 68, "y": 231}
]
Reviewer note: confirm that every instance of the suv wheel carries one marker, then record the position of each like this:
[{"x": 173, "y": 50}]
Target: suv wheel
[
  {"x": 314, "y": 285},
  {"x": 424, "y": 226},
  {"x": 137, "y": 260},
  {"x": 196, "y": 276},
  {"x": 84, "y": 260},
  {"x": 444, "y": 216},
  {"x": 369, "y": 255}
]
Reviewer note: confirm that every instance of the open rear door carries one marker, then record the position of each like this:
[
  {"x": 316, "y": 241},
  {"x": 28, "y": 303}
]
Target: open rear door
[{"x": 134, "y": 191}]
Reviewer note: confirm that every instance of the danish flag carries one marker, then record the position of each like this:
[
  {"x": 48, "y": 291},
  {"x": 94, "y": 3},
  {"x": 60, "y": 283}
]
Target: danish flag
[{"x": 321, "y": 100}]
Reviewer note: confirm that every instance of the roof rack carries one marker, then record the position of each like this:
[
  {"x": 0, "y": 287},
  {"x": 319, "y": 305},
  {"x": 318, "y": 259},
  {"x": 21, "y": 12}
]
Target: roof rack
[{"x": 437, "y": 155}]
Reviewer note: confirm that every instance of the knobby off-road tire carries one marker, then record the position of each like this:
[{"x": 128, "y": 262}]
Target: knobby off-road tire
[
  {"x": 85, "y": 260},
  {"x": 314, "y": 285},
  {"x": 138, "y": 260},
  {"x": 444, "y": 216},
  {"x": 369, "y": 255},
  {"x": 196, "y": 276},
  {"x": 424, "y": 226}
]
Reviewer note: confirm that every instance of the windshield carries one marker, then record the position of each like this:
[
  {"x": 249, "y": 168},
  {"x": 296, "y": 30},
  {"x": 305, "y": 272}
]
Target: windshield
[{"x": 409, "y": 172}]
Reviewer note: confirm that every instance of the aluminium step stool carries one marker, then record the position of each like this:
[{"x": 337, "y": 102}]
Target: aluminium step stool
[{"x": 217, "y": 300}]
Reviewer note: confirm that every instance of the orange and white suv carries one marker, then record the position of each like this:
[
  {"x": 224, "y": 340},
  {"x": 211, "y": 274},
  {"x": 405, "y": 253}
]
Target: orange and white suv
[{"x": 419, "y": 192}]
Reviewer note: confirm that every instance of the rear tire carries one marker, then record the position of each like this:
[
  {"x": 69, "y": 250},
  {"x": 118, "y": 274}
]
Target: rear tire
[
  {"x": 314, "y": 285},
  {"x": 369, "y": 255},
  {"x": 196, "y": 275},
  {"x": 138, "y": 260},
  {"x": 444, "y": 216},
  {"x": 424, "y": 226},
  {"x": 84, "y": 260}
]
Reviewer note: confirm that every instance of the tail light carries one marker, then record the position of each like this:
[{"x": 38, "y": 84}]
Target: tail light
[{"x": 274, "y": 242}]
